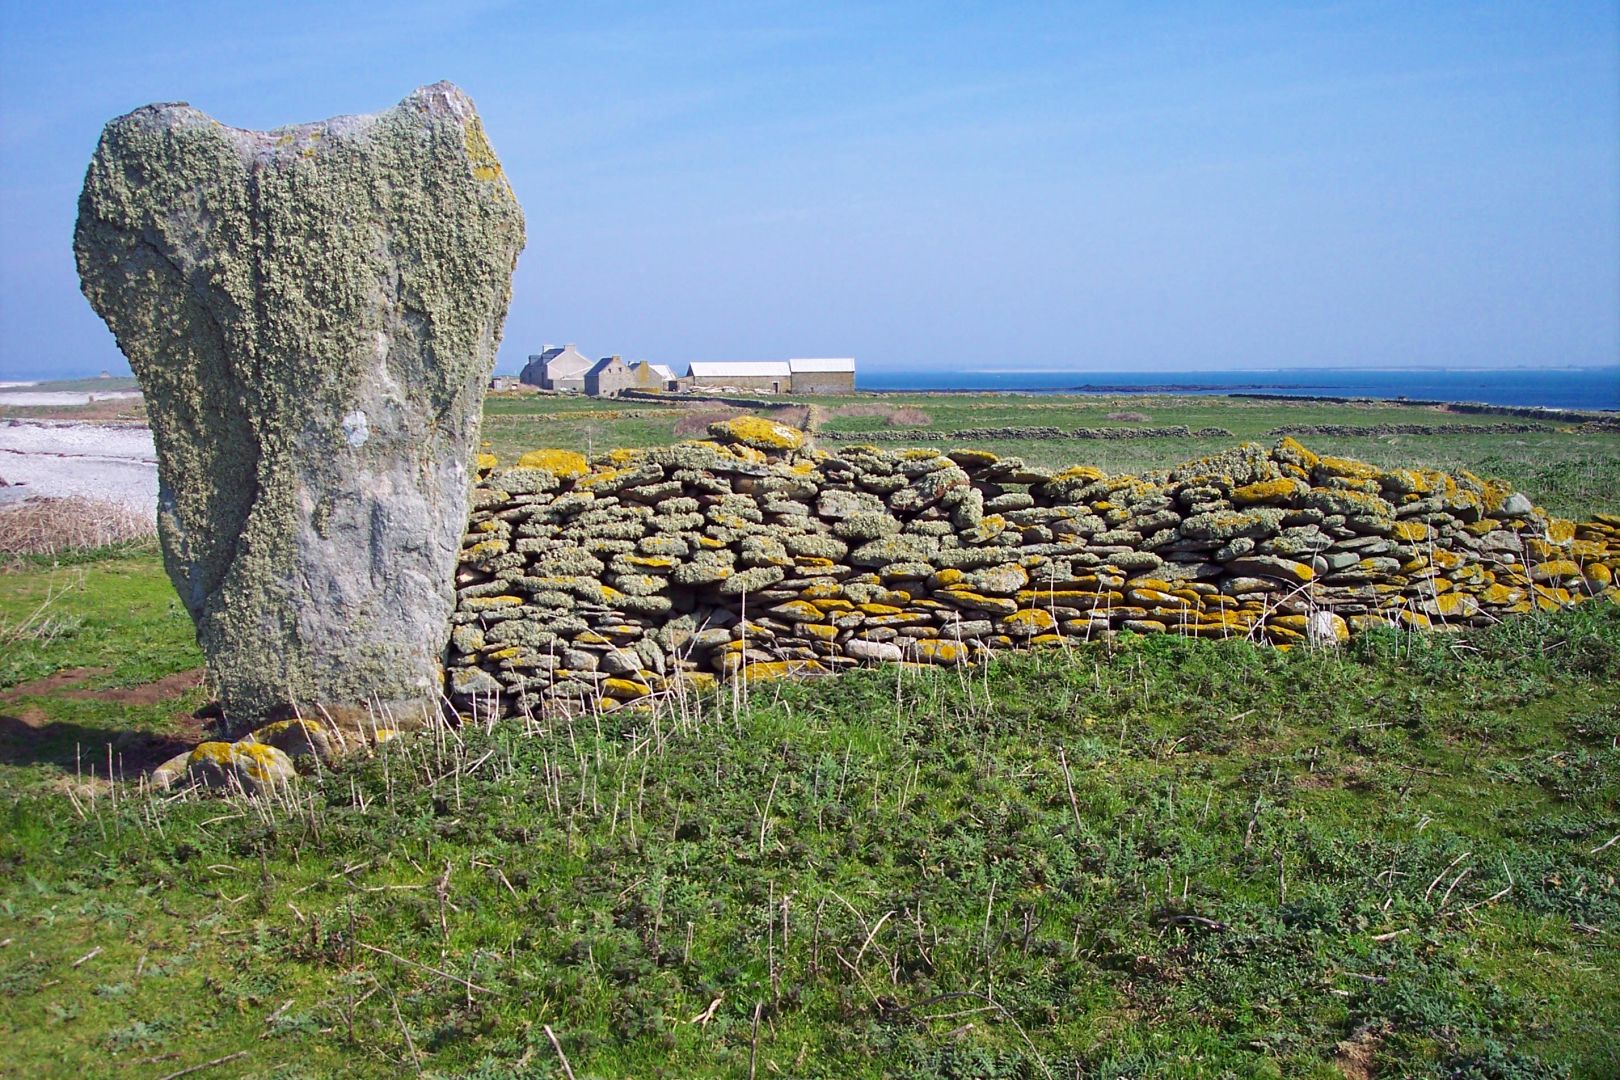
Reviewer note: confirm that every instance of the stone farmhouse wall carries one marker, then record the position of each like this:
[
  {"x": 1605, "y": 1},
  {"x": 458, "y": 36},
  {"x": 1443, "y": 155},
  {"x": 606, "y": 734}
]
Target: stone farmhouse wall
[{"x": 592, "y": 584}]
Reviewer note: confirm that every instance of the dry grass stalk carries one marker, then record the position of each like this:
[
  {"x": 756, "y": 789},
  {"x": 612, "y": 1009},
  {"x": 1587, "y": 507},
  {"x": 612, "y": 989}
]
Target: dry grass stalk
[{"x": 52, "y": 526}]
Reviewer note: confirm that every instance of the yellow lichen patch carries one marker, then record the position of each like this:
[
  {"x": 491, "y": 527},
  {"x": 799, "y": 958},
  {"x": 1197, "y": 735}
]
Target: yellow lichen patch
[
  {"x": 214, "y": 753},
  {"x": 624, "y": 455},
  {"x": 819, "y": 631},
  {"x": 831, "y": 603},
  {"x": 650, "y": 562},
  {"x": 1290, "y": 450},
  {"x": 563, "y": 464},
  {"x": 973, "y": 459},
  {"x": 1080, "y": 472},
  {"x": 600, "y": 478},
  {"x": 1495, "y": 494},
  {"x": 765, "y": 670},
  {"x": 1446, "y": 560},
  {"x": 880, "y": 609},
  {"x": 1599, "y": 575},
  {"x": 383, "y": 734},
  {"x": 1555, "y": 570},
  {"x": 1265, "y": 491},
  {"x": 491, "y": 603},
  {"x": 1349, "y": 468},
  {"x": 1560, "y": 530},
  {"x": 484, "y": 462},
  {"x": 1454, "y": 605},
  {"x": 759, "y": 433},
  {"x": 1551, "y": 599},
  {"x": 481, "y": 156},
  {"x": 492, "y": 546},
  {"x": 1411, "y": 531},
  {"x": 713, "y": 543},
  {"x": 624, "y": 689},
  {"x": 939, "y": 651},
  {"x": 1029, "y": 619},
  {"x": 750, "y": 454},
  {"x": 697, "y": 680},
  {"x": 263, "y": 762},
  {"x": 503, "y": 654}
]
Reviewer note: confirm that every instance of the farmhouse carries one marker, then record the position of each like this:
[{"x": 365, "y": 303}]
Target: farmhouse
[
  {"x": 557, "y": 367},
  {"x": 798, "y": 376},
  {"x": 611, "y": 376}
]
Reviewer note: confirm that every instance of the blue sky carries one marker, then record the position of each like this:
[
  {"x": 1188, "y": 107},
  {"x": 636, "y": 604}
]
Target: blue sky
[{"x": 1073, "y": 186}]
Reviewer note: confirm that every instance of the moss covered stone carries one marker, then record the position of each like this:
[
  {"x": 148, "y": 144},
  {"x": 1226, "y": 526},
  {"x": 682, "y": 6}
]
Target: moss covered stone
[{"x": 312, "y": 313}]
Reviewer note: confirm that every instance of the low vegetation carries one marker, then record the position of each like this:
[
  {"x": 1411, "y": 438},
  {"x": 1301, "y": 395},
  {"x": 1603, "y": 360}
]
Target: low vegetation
[
  {"x": 53, "y": 527},
  {"x": 1152, "y": 856},
  {"x": 1155, "y": 856}
]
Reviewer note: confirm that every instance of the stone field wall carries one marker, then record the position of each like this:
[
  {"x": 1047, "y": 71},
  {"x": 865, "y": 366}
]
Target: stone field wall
[{"x": 585, "y": 584}]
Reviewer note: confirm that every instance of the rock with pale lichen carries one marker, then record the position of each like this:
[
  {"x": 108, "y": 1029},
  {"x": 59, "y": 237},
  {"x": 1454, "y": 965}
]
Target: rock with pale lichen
[{"x": 312, "y": 313}]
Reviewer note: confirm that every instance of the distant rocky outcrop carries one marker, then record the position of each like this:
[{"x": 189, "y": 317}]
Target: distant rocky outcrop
[
  {"x": 591, "y": 584},
  {"x": 313, "y": 314}
]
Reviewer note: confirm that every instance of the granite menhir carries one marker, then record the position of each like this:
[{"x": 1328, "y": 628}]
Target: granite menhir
[{"x": 313, "y": 314}]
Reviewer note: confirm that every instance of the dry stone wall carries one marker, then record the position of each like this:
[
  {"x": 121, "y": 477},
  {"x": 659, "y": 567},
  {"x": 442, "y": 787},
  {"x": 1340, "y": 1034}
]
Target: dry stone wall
[{"x": 591, "y": 583}]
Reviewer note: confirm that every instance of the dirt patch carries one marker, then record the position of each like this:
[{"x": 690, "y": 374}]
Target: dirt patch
[
  {"x": 697, "y": 423},
  {"x": 1354, "y": 1057},
  {"x": 151, "y": 693},
  {"x": 53, "y": 684},
  {"x": 133, "y": 409},
  {"x": 29, "y": 736}
]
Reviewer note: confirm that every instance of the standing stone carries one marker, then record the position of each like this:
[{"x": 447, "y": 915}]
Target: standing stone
[{"x": 313, "y": 314}]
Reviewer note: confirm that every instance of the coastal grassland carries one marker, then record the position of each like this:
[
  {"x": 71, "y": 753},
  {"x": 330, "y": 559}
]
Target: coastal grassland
[
  {"x": 1154, "y": 856},
  {"x": 1571, "y": 470},
  {"x": 97, "y": 661}
]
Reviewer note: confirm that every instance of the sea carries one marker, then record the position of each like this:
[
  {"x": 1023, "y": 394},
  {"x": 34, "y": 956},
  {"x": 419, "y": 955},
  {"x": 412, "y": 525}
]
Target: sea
[{"x": 1556, "y": 388}]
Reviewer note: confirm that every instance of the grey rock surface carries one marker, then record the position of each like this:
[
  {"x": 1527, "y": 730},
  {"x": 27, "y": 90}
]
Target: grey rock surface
[{"x": 313, "y": 314}]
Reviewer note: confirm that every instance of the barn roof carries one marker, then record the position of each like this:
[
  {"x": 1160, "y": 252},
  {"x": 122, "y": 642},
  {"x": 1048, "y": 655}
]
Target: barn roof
[
  {"x": 738, "y": 369},
  {"x": 843, "y": 363}
]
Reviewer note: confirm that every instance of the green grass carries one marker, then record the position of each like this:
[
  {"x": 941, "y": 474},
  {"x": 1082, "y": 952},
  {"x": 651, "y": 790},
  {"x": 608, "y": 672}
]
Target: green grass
[{"x": 1158, "y": 857}]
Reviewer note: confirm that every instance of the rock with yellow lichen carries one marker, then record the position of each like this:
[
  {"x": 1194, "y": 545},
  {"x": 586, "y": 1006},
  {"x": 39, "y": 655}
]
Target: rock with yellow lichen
[
  {"x": 243, "y": 767},
  {"x": 758, "y": 433}
]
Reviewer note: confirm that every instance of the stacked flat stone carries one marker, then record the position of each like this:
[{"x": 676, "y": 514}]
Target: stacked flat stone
[{"x": 589, "y": 584}]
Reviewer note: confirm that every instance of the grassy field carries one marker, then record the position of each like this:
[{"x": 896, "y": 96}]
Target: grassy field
[
  {"x": 1571, "y": 470},
  {"x": 1153, "y": 857}
]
